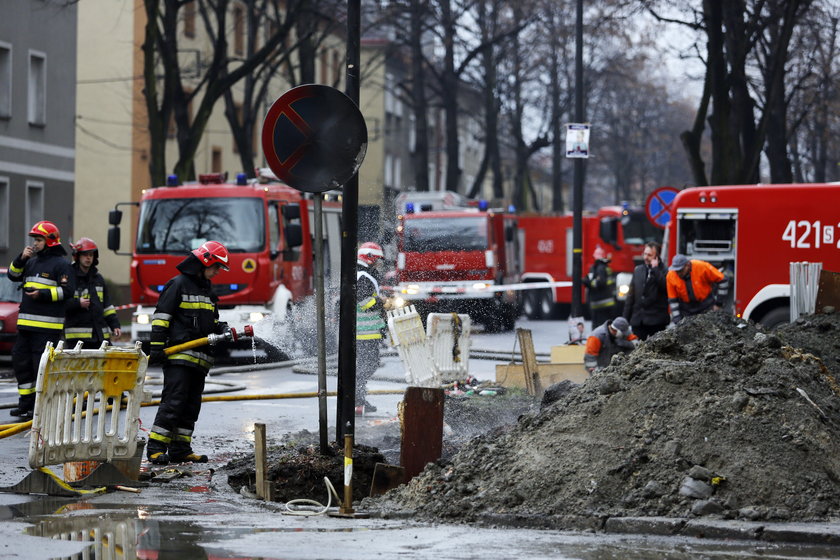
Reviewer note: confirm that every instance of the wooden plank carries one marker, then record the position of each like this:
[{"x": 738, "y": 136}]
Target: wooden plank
[
  {"x": 828, "y": 291},
  {"x": 422, "y": 429},
  {"x": 529, "y": 361},
  {"x": 259, "y": 457},
  {"x": 386, "y": 477},
  {"x": 513, "y": 375}
]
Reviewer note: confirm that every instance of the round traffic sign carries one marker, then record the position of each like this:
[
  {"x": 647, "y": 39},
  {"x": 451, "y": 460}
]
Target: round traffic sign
[
  {"x": 658, "y": 206},
  {"x": 314, "y": 138}
]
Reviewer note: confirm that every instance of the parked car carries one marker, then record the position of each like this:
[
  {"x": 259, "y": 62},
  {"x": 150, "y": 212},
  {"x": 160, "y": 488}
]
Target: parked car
[{"x": 9, "y": 306}]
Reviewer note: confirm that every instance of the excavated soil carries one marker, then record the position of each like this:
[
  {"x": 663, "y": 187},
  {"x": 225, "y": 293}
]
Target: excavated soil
[{"x": 715, "y": 417}]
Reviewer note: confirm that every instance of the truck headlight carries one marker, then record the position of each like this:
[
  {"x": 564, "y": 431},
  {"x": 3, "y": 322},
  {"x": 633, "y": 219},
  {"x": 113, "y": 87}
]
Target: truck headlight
[
  {"x": 142, "y": 318},
  {"x": 255, "y": 316},
  {"x": 478, "y": 286}
]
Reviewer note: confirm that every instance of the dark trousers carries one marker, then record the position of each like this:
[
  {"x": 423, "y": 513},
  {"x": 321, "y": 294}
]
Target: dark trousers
[
  {"x": 26, "y": 357},
  {"x": 180, "y": 401},
  {"x": 645, "y": 331},
  {"x": 603, "y": 314},
  {"x": 367, "y": 361}
]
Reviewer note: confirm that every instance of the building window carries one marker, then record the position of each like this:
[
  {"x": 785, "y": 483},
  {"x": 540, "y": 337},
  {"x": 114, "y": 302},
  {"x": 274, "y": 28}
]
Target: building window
[
  {"x": 238, "y": 30},
  {"x": 37, "y": 88},
  {"x": 216, "y": 160},
  {"x": 337, "y": 66},
  {"x": 189, "y": 19},
  {"x": 389, "y": 170},
  {"x": 34, "y": 205},
  {"x": 398, "y": 182},
  {"x": 5, "y": 80},
  {"x": 5, "y": 216}
]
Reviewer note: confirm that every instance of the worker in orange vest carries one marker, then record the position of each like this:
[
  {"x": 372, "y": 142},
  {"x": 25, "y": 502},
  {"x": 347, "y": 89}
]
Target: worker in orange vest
[{"x": 694, "y": 287}]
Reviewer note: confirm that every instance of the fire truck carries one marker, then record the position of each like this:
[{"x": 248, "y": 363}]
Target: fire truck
[
  {"x": 459, "y": 259},
  {"x": 265, "y": 225},
  {"x": 620, "y": 231},
  {"x": 753, "y": 233}
]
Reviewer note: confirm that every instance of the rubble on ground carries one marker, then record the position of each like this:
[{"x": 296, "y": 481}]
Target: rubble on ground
[{"x": 715, "y": 417}]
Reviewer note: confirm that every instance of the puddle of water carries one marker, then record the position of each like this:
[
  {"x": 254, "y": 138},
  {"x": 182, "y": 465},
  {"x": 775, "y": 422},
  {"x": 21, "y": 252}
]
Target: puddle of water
[{"x": 137, "y": 533}]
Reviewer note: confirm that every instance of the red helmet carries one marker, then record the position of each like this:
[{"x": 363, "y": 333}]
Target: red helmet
[
  {"x": 369, "y": 253},
  {"x": 84, "y": 245},
  {"x": 48, "y": 231},
  {"x": 212, "y": 252}
]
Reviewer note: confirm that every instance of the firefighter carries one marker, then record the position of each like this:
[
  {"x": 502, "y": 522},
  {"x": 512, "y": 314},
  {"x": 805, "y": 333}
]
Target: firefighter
[
  {"x": 646, "y": 307},
  {"x": 186, "y": 310},
  {"x": 694, "y": 287},
  {"x": 90, "y": 317},
  {"x": 48, "y": 281},
  {"x": 601, "y": 284},
  {"x": 609, "y": 339},
  {"x": 369, "y": 321}
]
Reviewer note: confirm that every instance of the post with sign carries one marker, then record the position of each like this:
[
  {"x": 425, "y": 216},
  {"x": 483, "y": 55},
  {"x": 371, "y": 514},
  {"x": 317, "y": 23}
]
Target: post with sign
[{"x": 315, "y": 139}]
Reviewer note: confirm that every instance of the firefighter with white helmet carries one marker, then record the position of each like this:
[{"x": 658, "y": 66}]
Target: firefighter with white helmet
[
  {"x": 48, "y": 281},
  {"x": 187, "y": 310},
  {"x": 601, "y": 284},
  {"x": 90, "y": 316},
  {"x": 369, "y": 321}
]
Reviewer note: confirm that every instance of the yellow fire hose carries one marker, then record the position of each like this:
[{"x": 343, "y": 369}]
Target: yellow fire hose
[
  {"x": 230, "y": 336},
  {"x": 7, "y": 430}
]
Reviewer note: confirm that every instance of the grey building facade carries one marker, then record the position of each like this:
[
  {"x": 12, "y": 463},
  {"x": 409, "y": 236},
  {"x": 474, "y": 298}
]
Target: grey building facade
[{"x": 37, "y": 119}]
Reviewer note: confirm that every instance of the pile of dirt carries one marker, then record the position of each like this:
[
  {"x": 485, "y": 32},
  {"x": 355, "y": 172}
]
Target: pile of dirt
[
  {"x": 715, "y": 417},
  {"x": 297, "y": 466}
]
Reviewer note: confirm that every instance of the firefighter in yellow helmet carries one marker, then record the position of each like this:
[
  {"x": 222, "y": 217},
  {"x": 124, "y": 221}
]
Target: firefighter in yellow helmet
[
  {"x": 48, "y": 281},
  {"x": 369, "y": 321}
]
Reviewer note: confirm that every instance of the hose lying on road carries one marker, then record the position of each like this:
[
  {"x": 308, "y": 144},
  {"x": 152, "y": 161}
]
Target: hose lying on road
[{"x": 7, "y": 430}]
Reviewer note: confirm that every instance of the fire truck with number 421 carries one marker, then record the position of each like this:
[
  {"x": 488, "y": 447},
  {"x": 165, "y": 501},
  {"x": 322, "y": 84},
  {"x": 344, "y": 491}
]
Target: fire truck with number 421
[
  {"x": 753, "y": 233},
  {"x": 263, "y": 223}
]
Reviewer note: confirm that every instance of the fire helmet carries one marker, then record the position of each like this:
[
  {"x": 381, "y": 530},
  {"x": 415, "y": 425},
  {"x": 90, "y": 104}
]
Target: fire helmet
[
  {"x": 212, "y": 252},
  {"x": 369, "y": 253},
  {"x": 84, "y": 245},
  {"x": 48, "y": 231}
]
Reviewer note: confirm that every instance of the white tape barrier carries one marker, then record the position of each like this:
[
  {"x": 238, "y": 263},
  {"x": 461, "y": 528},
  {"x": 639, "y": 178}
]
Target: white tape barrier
[
  {"x": 804, "y": 285},
  {"x": 449, "y": 340},
  {"x": 408, "y": 336},
  {"x": 72, "y": 420},
  {"x": 429, "y": 288}
]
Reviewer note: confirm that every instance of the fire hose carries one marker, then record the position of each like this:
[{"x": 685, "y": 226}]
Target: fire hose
[{"x": 229, "y": 335}]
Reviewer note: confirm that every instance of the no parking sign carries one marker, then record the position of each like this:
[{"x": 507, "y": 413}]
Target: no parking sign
[{"x": 658, "y": 206}]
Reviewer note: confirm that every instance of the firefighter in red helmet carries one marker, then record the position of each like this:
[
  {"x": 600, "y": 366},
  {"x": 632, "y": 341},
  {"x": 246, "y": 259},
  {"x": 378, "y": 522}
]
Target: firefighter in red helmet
[
  {"x": 48, "y": 281},
  {"x": 90, "y": 316},
  {"x": 369, "y": 321},
  {"x": 601, "y": 284},
  {"x": 187, "y": 309}
]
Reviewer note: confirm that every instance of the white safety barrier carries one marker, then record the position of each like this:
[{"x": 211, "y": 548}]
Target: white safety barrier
[
  {"x": 408, "y": 336},
  {"x": 77, "y": 405},
  {"x": 804, "y": 284},
  {"x": 448, "y": 336}
]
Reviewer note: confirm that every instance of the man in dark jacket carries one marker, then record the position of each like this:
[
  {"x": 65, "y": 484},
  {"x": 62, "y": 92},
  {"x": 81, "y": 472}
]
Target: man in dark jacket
[
  {"x": 186, "y": 311},
  {"x": 90, "y": 316},
  {"x": 47, "y": 283},
  {"x": 606, "y": 341},
  {"x": 646, "y": 307}
]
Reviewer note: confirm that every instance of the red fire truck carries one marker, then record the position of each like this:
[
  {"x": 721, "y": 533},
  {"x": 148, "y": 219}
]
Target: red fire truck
[
  {"x": 460, "y": 260},
  {"x": 264, "y": 224},
  {"x": 621, "y": 231},
  {"x": 753, "y": 233}
]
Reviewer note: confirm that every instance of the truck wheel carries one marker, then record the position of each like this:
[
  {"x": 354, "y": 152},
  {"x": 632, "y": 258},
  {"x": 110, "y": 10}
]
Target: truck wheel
[
  {"x": 547, "y": 304},
  {"x": 776, "y": 317},
  {"x": 508, "y": 318},
  {"x": 532, "y": 305}
]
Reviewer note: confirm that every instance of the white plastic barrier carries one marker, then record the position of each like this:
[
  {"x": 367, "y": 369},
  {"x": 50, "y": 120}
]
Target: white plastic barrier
[
  {"x": 74, "y": 418},
  {"x": 408, "y": 336},
  {"x": 448, "y": 336},
  {"x": 804, "y": 285}
]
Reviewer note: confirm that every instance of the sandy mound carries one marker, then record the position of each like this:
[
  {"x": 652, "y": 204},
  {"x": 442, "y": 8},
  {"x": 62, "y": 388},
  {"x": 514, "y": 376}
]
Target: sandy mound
[{"x": 715, "y": 417}]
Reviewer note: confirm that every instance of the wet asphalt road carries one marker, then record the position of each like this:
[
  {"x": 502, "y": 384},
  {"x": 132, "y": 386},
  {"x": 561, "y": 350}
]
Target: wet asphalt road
[{"x": 199, "y": 516}]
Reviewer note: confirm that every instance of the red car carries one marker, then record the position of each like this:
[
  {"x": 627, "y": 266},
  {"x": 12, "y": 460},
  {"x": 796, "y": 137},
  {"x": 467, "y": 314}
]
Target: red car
[{"x": 9, "y": 306}]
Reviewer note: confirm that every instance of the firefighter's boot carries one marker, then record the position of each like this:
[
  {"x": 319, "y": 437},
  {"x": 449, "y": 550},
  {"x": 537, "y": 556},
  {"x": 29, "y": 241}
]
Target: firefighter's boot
[
  {"x": 181, "y": 452},
  {"x": 25, "y": 407},
  {"x": 156, "y": 452}
]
